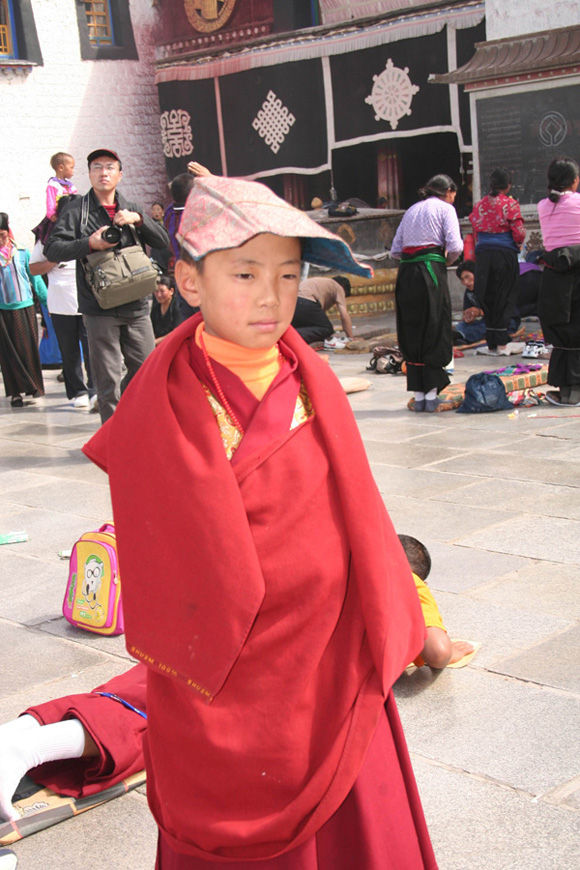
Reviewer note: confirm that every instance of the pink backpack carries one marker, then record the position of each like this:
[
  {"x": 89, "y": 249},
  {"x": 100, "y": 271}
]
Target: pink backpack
[{"x": 93, "y": 595}]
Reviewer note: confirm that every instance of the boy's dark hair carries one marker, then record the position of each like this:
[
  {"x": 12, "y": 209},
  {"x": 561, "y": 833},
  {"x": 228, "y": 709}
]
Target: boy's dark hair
[
  {"x": 417, "y": 555},
  {"x": 500, "y": 179},
  {"x": 466, "y": 266},
  {"x": 344, "y": 283},
  {"x": 180, "y": 187},
  {"x": 4, "y": 224},
  {"x": 160, "y": 204},
  {"x": 167, "y": 281},
  {"x": 187, "y": 258},
  {"x": 58, "y": 158},
  {"x": 65, "y": 201}
]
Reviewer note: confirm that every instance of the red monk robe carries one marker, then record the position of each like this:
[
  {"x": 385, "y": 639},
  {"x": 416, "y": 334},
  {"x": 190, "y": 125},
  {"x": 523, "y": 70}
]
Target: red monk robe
[{"x": 273, "y": 616}]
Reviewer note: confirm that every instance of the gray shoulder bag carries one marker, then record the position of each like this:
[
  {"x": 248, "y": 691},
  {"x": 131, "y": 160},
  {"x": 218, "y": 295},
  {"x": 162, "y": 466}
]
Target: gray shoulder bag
[{"x": 119, "y": 275}]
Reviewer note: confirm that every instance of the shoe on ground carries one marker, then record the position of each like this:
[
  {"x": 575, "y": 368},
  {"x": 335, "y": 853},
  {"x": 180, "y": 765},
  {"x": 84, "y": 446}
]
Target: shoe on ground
[
  {"x": 419, "y": 405},
  {"x": 17, "y": 402},
  {"x": 94, "y": 404},
  {"x": 81, "y": 401},
  {"x": 487, "y": 351},
  {"x": 60, "y": 378},
  {"x": 8, "y": 860},
  {"x": 334, "y": 343},
  {"x": 431, "y": 405}
]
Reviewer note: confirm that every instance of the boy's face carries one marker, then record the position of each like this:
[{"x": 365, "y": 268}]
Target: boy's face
[
  {"x": 157, "y": 212},
  {"x": 247, "y": 295},
  {"x": 67, "y": 168}
]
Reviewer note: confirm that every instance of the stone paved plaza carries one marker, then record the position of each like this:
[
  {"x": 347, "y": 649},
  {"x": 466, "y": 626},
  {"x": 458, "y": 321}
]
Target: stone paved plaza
[{"x": 495, "y": 497}]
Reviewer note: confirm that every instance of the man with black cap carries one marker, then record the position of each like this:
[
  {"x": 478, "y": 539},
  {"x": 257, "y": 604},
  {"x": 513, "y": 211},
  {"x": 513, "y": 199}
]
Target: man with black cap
[{"x": 121, "y": 334}]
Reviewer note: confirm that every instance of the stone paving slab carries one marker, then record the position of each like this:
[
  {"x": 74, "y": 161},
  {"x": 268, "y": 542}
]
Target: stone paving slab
[
  {"x": 503, "y": 632},
  {"x": 118, "y": 834},
  {"x": 73, "y": 682},
  {"x": 112, "y": 644},
  {"x": 68, "y": 496},
  {"x": 416, "y": 483},
  {"x": 556, "y": 662},
  {"x": 503, "y": 467},
  {"x": 539, "y": 587},
  {"x": 475, "y": 825},
  {"x": 461, "y": 569},
  {"x": 524, "y": 496},
  {"x": 548, "y": 538},
  {"x": 494, "y": 727},
  {"x": 442, "y": 521},
  {"x": 31, "y": 589},
  {"x": 49, "y": 530},
  {"x": 38, "y": 657}
]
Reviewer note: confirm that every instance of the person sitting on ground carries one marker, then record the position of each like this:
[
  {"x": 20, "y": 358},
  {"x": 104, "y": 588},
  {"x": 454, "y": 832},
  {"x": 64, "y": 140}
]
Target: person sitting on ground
[
  {"x": 165, "y": 313},
  {"x": 438, "y": 651},
  {"x": 315, "y": 297},
  {"x": 472, "y": 327}
]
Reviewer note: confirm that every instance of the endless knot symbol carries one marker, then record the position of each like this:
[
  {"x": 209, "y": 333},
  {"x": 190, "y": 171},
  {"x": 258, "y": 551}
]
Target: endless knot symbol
[
  {"x": 273, "y": 122},
  {"x": 208, "y": 15},
  {"x": 553, "y": 129},
  {"x": 176, "y": 133},
  {"x": 392, "y": 94}
]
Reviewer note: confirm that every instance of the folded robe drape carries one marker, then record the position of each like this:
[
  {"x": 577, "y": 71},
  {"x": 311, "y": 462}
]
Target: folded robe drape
[{"x": 273, "y": 615}]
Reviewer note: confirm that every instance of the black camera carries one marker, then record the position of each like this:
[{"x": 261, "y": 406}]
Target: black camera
[{"x": 112, "y": 235}]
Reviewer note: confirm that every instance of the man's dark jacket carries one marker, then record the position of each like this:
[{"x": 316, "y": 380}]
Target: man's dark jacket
[{"x": 66, "y": 243}]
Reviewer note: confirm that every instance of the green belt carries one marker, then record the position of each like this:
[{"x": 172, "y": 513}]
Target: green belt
[{"x": 427, "y": 259}]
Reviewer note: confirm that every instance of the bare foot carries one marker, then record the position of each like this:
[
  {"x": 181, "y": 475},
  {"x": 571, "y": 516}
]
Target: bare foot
[{"x": 460, "y": 649}]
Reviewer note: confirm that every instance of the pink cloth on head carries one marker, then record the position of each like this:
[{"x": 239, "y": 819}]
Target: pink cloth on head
[{"x": 222, "y": 213}]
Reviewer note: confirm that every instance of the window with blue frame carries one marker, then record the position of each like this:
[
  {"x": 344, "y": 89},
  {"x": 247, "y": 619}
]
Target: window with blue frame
[
  {"x": 105, "y": 30},
  {"x": 99, "y": 22},
  {"x": 19, "y": 43},
  {"x": 7, "y": 36}
]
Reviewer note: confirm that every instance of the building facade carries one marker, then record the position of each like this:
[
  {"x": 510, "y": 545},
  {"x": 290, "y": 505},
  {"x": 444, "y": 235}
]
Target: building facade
[{"x": 75, "y": 76}]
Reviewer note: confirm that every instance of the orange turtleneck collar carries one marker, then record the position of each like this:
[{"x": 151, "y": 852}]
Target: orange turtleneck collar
[{"x": 255, "y": 367}]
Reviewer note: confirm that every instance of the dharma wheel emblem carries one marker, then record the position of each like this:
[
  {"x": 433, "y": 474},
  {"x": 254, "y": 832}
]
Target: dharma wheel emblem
[
  {"x": 392, "y": 94},
  {"x": 208, "y": 15}
]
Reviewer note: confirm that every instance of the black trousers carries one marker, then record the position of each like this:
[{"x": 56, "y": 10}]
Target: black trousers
[
  {"x": 311, "y": 321},
  {"x": 496, "y": 273},
  {"x": 71, "y": 336}
]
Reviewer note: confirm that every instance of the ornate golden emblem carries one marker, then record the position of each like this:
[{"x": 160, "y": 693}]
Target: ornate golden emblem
[{"x": 208, "y": 15}]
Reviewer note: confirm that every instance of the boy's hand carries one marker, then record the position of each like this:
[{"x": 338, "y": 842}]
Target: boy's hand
[
  {"x": 195, "y": 168},
  {"x": 460, "y": 649}
]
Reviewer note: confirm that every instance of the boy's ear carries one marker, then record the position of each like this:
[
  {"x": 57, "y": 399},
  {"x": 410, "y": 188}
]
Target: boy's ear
[{"x": 187, "y": 278}]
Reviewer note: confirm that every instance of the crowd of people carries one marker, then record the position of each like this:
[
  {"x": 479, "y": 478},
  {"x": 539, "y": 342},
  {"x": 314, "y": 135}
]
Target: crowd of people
[
  {"x": 269, "y": 668},
  {"x": 499, "y": 289}
]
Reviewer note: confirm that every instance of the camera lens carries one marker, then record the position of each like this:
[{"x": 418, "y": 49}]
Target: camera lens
[{"x": 112, "y": 235}]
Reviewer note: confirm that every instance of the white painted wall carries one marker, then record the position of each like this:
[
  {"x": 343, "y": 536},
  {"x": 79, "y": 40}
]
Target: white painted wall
[
  {"x": 74, "y": 105},
  {"x": 506, "y": 18}
]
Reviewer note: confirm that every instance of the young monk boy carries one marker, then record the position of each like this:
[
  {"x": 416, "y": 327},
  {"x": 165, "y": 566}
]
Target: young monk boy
[
  {"x": 272, "y": 617},
  {"x": 438, "y": 651}
]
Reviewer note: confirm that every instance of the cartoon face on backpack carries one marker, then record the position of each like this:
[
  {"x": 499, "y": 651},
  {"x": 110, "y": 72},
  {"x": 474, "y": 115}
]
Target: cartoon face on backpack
[{"x": 93, "y": 577}]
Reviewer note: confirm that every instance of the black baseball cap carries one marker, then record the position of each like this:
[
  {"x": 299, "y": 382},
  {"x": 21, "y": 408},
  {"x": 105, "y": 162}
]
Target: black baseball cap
[{"x": 103, "y": 152}]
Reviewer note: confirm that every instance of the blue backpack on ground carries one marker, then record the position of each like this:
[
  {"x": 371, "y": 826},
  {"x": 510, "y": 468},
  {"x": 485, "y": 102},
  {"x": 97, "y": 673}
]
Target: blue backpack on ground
[{"x": 484, "y": 392}]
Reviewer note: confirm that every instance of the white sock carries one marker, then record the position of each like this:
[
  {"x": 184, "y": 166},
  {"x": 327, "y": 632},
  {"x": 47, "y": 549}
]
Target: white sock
[
  {"x": 419, "y": 396},
  {"x": 24, "y": 748},
  {"x": 432, "y": 394},
  {"x": 20, "y": 724}
]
